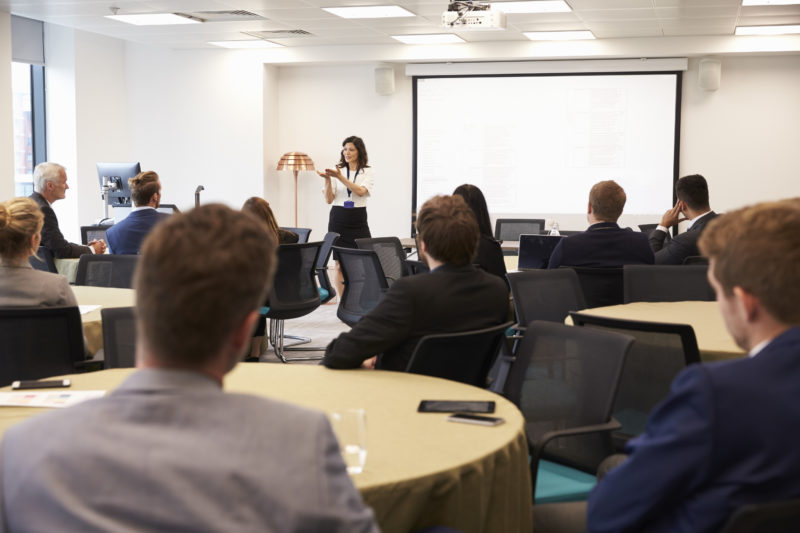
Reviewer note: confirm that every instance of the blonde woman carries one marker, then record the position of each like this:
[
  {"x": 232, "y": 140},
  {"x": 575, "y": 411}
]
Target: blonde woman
[{"x": 21, "y": 285}]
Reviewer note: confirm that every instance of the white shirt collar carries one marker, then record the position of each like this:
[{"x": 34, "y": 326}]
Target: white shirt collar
[
  {"x": 141, "y": 207},
  {"x": 695, "y": 219},
  {"x": 758, "y": 347}
]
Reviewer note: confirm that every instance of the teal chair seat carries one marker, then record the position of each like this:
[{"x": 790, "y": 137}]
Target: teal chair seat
[
  {"x": 323, "y": 293},
  {"x": 558, "y": 483}
]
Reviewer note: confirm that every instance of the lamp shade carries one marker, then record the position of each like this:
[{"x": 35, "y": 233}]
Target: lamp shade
[{"x": 295, "y": 161}]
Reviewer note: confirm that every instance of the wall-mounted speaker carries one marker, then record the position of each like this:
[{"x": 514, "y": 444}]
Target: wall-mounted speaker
[
  {"x": 709, "y": 73},
  {"x": 384, "y": 80}
]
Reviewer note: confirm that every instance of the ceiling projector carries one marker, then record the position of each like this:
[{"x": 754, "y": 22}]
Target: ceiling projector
[{"x": 469, "y": 15}]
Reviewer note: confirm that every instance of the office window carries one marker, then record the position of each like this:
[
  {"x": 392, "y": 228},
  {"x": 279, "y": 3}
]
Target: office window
[{"x": 27, "y": 82}]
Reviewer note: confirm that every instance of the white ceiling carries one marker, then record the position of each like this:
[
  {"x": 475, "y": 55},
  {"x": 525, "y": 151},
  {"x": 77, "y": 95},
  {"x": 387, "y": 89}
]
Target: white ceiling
[{"x": 624, "y": 28}]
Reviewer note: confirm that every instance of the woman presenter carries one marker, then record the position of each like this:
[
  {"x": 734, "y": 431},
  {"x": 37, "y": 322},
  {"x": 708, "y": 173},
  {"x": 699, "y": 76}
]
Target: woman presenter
[{"x": 347, "y": 187}]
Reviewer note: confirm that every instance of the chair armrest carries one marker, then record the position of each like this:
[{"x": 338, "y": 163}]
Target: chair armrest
[{"x": 538, "y": 446}]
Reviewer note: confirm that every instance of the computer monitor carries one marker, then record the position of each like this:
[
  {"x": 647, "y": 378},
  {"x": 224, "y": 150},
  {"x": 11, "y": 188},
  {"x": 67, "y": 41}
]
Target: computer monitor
[
  {"x": 119, "y": 174},
  {"x": 535, "y": 250}
]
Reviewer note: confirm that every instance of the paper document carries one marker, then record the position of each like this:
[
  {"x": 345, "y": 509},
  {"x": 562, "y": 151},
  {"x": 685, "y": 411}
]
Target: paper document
[
  {"x": 88, "y": 308},
  {"x": 59, "y": 398}
]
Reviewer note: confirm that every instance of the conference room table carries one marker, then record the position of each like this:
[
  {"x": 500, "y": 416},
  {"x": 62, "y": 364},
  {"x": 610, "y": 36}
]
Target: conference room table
[
  {"x": 713, "y": 339},
  {"x": 92, "y": 320},
  {"x": 420, "y": 470}
]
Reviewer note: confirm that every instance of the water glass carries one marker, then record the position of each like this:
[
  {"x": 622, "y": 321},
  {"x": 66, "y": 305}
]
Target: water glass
[{"x": 350, "y": 427}]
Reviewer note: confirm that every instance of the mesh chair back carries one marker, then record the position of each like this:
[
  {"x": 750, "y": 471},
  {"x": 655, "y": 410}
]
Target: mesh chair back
[
  {"x": 466, "y": 357},
  {"x": 775, "y": 517},
  {"x": 666, "y": 283},
  {"x": 601, "y": 286},
  {"x": 565, "y": 377},
  {"x": 658, "y": 353},
  {"x": 545, "y": 294},
  {"x": 390, "y": 254},
  {"x": 303, "y": 234},
  {"x": 119, "y": 337},
  {"x": 509, "y": 229},
  {"x": 106, "y": 270},
  {"x": 43, "y": 260},
  {"x": 93, "y": 233},
  {"x": 364, "y": 283},
  {"x": 39, "y": 342},
  {"x": 322, "y": 264},
  {"x": 696, "y": 260},
  {"x": 294, "y": 290}
]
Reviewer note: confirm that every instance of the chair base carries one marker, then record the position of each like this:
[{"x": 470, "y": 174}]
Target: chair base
[{"x": 276, "y": 339}]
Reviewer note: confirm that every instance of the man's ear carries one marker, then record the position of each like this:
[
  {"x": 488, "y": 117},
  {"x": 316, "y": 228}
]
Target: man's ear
[
  {"x": 240, "y": 338},
  {"x": 589, "y": 208},
  {"x": 748, "y": 303}
]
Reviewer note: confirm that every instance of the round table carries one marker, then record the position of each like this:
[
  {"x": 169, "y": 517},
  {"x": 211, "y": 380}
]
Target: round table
[
  {"x": 104, "y": 297},
  {"x": 713, "y": 339},
  {"x": 420, "y": 470}
]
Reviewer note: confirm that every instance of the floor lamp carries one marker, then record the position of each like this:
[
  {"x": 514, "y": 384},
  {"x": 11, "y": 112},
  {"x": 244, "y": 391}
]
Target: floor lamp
[{"x": 295, "y": 161}]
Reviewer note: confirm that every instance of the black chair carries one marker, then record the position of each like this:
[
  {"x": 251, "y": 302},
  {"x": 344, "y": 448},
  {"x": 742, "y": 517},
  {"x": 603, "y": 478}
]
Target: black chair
[
  {"x": 39, "y": 342},
  {"x": 302, "y": 234},
  {"x": 545, "y": 294},
  {"x": 326, "y": 290},
  {"x": 659, "y": 352},
  {"x": 466, "y": 356},
  {"x": 93, "y": 233},
  {"x": 43, "y": 260},
  {"x": 774, "y": 517},
  {"x": 666, "y": 283},
  {"x": 601, "y": 286},
  {"x": 364, "y": 283},
  {"x": 564, "y": 381},
  {"x": 294, "y": 294},
  {"x": 509, "y": 229},
  {"x": 119, "y": 337},
  {"x": 390, "y": 253},
  {"x": 106, "y": 270},
  {"x": 695, "y": 260}
]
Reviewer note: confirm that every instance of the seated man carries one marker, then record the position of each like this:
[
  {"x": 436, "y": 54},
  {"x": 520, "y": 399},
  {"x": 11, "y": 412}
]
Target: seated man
[
  {"x": 126, "y": 236},
  {"x": 727, "y": 433},
  {"x": 455, "y": 296},
  {"x": 49, "y": 185},
  {"x": 169, "y": 450},
  {"x": 692, "y": 193},
  {"x": 604, "y": 243}
]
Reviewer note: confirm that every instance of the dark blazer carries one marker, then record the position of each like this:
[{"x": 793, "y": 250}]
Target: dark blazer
[
  {"x": 680, "y": 247},
  {"x": 287, "y": 237},
  {"x": 725, "y": 436},
  {"x": 52, "y": 238},
  {"x": 126, "y": 236},
  {"x": 604, "y": 244},
  {"x": 447, "y": 300},
  {"x": 489, "y": 257}
]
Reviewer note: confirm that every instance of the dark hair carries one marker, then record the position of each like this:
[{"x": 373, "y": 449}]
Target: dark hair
[
  {"x": 475, "y": 200},
  {"x": 449, "y": 230},
  {"x": 193, "y": 288},
  {"x": 358, "y": 143},
  {"x": 143, "y": 186},
  {"x": 693, "y": 191},
  {"x": 261, "y": 209},
  {"x": 607, "y": 199}
]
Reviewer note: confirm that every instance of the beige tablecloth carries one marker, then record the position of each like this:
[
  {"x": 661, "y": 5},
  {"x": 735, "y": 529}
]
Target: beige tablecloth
[
  {"x": 713, "y": 339},
  {"x": 421, "y": 470},
  {"x": 92, "y": 321}
]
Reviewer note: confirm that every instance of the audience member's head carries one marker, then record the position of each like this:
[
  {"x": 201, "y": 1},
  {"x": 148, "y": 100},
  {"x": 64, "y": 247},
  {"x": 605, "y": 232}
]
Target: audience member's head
[
  {"x": 261, "y": 210},
  {"x": 475, "y": 200},
  {"x": 196, "y": 293},
  {"x": 607, "y": 199},
  {"x": 754, "y": 253},
  {"x": 145, "y": 189},
  {"x": 692, "y": 190},
  {"x": 20, "y": 229},
  {"x": 50, "y": 180},
  {"x": 447, "y": 227}
]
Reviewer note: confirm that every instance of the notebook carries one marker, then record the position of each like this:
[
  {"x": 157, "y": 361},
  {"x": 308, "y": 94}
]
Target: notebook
[{"x": 535, "y": 250}]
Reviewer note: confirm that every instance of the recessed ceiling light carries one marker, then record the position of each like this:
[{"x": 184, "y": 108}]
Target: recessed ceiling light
[
  {"x": 246, "y": 44},
  {"x": 154, "y": 19},
  {"x": 558, "y": 35},
  {"x": 767, "y": 30},
  {"x": 431, "y": 38},
  {"x": 770, "y": 2},
  {"x": 541, "y": 6},
  {"x": 369, "y": 12}
]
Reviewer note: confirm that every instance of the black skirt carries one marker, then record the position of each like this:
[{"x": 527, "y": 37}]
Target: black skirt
[{"x": 350, "y": 224}]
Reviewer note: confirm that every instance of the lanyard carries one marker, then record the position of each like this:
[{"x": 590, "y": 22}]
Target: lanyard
[{"x": 349, "y": 192}]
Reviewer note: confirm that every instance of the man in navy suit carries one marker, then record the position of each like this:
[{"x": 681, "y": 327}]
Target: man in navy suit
[
  {"x": 604, "y": 243},
  {"x": 126, "y": 236},
  {"x": 692, "y": 193},
  {"x": 727, "y": 433}
]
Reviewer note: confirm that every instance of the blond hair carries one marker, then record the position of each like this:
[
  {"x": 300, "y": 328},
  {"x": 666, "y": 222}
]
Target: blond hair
[
  {"x": 20, "y": 219},
  {"x": 607, "y": 199}
]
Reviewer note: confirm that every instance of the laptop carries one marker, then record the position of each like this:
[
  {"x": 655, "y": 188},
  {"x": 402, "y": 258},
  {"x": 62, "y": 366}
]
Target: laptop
[{"x": 535, "y": 250}]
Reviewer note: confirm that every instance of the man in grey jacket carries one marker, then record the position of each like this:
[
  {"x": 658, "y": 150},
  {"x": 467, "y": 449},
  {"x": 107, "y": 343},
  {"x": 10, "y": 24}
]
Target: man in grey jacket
[{"x": 169, "y": 450}]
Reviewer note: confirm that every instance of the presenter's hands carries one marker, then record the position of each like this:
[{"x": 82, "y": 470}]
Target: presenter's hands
[
  {"x": 334, "y": 173},
  {"x": 673, "y": 216},
  {"x": 323, "y": 175},
  {"x": 99, "y": 247}
]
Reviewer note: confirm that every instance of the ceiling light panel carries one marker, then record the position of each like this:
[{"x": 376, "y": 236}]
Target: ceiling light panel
[
  {"x": 431, "y": 38},
  {"x": 768, "y": 30},
  {"x": 770, "y": 2},
  {"x": 540, "y": 6},
  {"x": 369, "y": 12},
  {"x": 153, "y": 19}
]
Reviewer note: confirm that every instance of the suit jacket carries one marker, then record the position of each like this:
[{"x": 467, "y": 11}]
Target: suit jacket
[
  {"x": 680, "y": 247},
  {"x": 23, "y": 286},
  {"x": 602, "y": 245},
  {"x": 126, "y": 236},
  {"x": 447, "y": 300},
  {"x": 725, "y": 436},
  {"x": 52, "y": 237},
  {"x": 489, "y": 256},
  {"x": 170, "y": 451}
]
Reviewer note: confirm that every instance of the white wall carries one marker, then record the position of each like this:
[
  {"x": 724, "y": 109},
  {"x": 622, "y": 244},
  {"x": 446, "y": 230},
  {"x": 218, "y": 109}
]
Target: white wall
[{"x": 6, "y": 114}]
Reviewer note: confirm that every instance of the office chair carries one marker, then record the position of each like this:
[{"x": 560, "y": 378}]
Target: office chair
[
  {"x": 303, "y": 234},
  {"x": 105, "y": 270},
  {"x": 119, "y": 337},
  {"x": 666, "y": 283},
  {"x": 364, "y": 283}
]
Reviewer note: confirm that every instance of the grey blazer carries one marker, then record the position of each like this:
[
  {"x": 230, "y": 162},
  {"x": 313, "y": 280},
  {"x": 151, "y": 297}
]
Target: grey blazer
[
  {"x": 170, "y": 451},
  {"x": 24, "y": 286}
]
